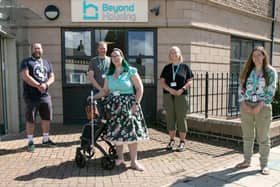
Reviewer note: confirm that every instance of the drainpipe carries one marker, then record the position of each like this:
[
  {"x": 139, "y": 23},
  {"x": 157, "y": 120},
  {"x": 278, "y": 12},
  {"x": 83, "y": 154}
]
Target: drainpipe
[{"x": 272, "y": 29}]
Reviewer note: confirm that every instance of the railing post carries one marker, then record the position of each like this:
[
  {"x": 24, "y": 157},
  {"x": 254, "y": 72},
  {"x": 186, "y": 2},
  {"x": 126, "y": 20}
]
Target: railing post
[{"x": 206, "y": 94}]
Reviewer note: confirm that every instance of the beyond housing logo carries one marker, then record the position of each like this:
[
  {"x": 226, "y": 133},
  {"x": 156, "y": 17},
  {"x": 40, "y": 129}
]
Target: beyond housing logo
[{"x": 107, "y": 11}]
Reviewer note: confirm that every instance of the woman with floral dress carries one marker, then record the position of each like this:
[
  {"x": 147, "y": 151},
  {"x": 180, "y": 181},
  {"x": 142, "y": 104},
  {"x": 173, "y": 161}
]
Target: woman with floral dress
[
  {"x": 257, "y": 88},
  {"x": 126, "y": 124}
]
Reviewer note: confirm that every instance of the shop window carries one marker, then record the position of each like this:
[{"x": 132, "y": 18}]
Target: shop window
[
  {"x": 77, "y": 43},
  {"x": 77, "y": 56},
  {"x": 140, "y": 43},
  {"x": 79, "y": 49},
  {"x": 115, "y": 38},
  {"x": 141, "y": 54}
]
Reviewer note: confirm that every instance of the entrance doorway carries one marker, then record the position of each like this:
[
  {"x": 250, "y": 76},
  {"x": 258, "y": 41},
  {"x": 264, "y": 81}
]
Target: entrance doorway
[{"x": 139, "y": 49}]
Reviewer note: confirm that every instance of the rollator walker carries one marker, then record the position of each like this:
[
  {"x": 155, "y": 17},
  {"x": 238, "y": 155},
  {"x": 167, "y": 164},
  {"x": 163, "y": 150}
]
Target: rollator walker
[{"x": 92, "y": 133}]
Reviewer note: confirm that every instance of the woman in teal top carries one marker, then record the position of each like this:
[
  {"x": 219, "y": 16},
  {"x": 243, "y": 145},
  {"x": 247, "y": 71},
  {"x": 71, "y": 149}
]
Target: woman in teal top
[
  {"x": 126, "y": 124},
  {"x": 256, "y": 91}
]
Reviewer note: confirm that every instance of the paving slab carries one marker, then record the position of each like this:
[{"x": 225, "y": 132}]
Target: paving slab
[{"x": 205, "y": 162}]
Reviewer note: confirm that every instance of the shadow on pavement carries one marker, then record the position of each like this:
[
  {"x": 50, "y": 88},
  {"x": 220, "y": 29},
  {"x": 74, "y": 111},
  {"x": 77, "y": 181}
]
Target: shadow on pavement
[
  {"x": 24, "y": 149},
  {"x": 93, "y": 168},
  {"x": 65, "y": 170},
  {"x": 216, "y": 178},
  {"x": 56, "y": 129}
]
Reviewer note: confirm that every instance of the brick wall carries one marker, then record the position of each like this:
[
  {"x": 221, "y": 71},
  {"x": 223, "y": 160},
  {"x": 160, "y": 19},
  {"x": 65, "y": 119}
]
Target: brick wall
[
  {"x": 278, "y": 10},
  {"x": 260, "y": 7}
]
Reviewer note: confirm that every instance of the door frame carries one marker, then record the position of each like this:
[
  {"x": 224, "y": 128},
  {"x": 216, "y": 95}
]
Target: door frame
[{"x": 66, "y": 86}]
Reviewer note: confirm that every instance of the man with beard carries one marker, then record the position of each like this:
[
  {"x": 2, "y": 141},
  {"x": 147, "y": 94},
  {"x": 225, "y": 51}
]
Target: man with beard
[
  {"x": 97, "y": 70},
  {"x": 38, "y": 76}
]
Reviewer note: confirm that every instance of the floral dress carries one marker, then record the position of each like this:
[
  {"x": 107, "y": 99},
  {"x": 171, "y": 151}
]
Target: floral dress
[
  {"x": 256, "y": 87},
  {"x": 123, "y": 126}
]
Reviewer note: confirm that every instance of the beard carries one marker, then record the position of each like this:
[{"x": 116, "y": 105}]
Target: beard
[{"x": 37, "y": 55}]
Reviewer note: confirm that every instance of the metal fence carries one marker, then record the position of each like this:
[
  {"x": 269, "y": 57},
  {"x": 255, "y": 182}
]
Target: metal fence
[{"x": 216, "y": 94}]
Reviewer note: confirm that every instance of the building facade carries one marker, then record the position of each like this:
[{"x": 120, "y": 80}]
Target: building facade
[{"x": 214, "y": 35}]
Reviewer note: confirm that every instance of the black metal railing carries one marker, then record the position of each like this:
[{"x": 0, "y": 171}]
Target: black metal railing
[{"x": 216, "y": 94}]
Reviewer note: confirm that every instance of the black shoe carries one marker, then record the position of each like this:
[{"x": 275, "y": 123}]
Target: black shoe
[
  {"x": 30, "y": 146},
  {"x": 49, "y": 143},
  {"x": 181, "y": 146},
  {"x": 170, "y": 145}
]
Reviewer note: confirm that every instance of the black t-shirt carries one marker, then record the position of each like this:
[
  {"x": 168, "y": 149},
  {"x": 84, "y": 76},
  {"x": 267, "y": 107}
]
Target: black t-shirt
[
  {"x": 184, "y": 73},
  {"x": 40, "y": 71}
]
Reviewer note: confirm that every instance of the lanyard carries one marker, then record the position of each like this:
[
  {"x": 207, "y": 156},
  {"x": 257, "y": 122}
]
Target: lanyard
[
  {"x": 41, "y": 64},
  {"x": 102, "y": 64},
  {"x": 120, "y": 75},
  {"x": 176, "y": 71},
  {"x": 255, "y": 81}
]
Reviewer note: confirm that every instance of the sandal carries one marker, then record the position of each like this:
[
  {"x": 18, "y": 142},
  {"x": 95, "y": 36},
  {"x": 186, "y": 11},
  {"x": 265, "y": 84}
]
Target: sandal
[
  {"x": 265, "y": 171},
  {"x": 119, "y": 163},
  {"x": 242, "y": 165},
  {"x": 137, "y": 166}
]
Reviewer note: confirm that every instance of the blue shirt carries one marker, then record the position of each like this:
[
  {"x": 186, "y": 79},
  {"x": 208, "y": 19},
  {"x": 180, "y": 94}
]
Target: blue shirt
[
  {"x": 123, "y": 83},
  {"x": 40, "y": 71}
]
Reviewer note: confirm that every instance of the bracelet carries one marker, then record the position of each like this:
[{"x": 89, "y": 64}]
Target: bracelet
[{"x": 184, "y": 89}]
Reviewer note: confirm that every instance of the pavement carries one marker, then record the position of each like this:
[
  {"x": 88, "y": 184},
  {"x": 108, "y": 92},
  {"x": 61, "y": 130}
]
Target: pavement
[{"x": 206, "y": 162}]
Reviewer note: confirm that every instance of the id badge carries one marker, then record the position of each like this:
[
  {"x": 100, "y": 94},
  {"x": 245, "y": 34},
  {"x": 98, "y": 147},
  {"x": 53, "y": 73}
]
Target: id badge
[
  {"x": 173, "y": 84},
  {"x": 254, "y": 98},
  {"x": 116, "y": 93}
]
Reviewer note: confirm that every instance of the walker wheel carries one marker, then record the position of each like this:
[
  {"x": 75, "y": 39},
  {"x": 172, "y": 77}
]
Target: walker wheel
[
  {"x": 80, "y": 159},
  {"x": 113, "y": 152},
  {"x": 107, "y": 163}
]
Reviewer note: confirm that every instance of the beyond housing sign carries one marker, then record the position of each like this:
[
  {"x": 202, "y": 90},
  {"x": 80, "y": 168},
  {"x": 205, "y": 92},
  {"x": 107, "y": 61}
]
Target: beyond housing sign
[{"x": 109, "y": 10}]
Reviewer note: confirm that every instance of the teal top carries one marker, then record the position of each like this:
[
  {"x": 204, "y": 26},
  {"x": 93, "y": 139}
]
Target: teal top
[
  {"x": 123, "y": 83},
  {"x": 255, "y": 86}
]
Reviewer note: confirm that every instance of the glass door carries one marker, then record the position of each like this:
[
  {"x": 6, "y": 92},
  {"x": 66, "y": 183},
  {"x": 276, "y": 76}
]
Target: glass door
[
  {"x": 141, "y": 54},
  {"x": 77, "y": 52},
  {"x": 79, "y": 46}
]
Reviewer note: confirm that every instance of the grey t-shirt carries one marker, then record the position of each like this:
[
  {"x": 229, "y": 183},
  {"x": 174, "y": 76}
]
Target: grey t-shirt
[{"x": 100, "y": 67}]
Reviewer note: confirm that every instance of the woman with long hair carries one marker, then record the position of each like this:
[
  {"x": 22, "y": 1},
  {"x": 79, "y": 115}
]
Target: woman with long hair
[
  {"x": 126, "y": 124},
  {"x": 257, "y": 87}
]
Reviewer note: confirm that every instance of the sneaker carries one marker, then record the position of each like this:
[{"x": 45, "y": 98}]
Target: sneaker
[
  {"x": 49, "y": 143},
  {"x": 181, "y": 146},
  {"x": 265, "y": 171},
  {"x": 30, "y": 146},
  {"x": 170, "y": 145}
]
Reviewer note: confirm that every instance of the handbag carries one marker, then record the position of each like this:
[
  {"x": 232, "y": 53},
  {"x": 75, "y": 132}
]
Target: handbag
[{"x": 92, "y": 106}]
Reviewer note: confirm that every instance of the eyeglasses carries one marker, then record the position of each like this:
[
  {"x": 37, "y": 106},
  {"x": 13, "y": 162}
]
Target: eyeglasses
[{"x": 115, "y": 56}]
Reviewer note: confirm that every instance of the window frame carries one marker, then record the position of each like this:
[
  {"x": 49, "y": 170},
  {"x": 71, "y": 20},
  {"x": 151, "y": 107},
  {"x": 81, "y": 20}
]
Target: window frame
[{"x": 93, "y": 50}]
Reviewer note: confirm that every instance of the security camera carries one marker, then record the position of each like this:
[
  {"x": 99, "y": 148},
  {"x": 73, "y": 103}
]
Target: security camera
[{"x": 155, "y": 10}]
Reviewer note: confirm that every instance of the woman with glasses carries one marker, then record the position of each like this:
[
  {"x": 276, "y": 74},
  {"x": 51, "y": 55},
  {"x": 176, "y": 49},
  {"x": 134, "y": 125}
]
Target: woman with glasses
[
  {"x": 256, "y": 91},
  {"x": 126, "y": 124}
]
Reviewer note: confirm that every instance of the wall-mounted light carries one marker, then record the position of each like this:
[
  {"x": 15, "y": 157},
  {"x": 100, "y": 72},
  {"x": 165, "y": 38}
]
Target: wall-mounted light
[
  {"x": 155, "y": 10},
  {"x": 51, "y": 12}
]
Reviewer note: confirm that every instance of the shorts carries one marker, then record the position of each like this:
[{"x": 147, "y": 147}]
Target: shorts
[{"x": 43, "y": 106}]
